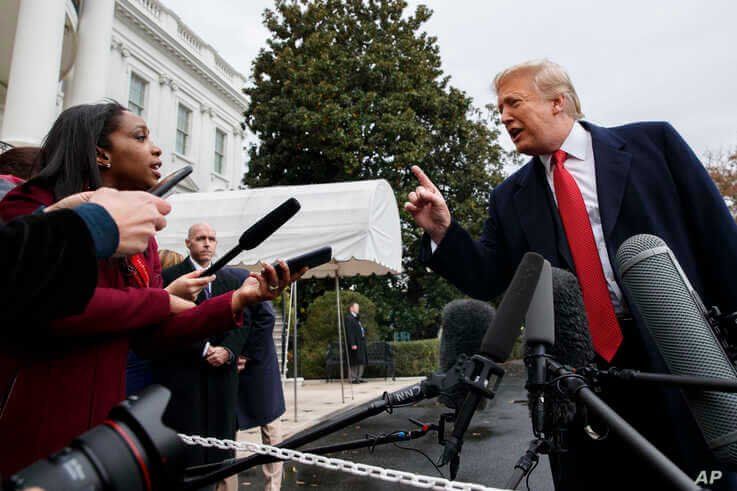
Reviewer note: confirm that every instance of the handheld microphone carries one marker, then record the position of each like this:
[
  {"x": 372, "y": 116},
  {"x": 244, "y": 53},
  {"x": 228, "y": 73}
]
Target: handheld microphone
[
  {"x": 257, "y": 233},
  {"x": 497, "y": 344},
  {"x": 676, "y": 319},
  {"x": 464, "y": 324},
  {"x": 167, "y": 183}
]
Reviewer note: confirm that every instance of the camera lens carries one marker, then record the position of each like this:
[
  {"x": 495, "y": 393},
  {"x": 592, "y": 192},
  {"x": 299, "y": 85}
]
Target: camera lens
[
  {"x": 107, "y": 457},
  {"x": 130, "y": 451}
]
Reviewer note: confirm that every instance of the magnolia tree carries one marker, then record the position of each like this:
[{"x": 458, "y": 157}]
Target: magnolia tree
[{"x": 354, "y": 89}]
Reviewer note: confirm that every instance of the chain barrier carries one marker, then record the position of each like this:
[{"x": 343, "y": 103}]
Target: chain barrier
[{"x": 372, "y": 471}]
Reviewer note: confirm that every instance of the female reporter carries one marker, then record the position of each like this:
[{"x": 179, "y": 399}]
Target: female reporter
[{"x": 57, "y": 381}]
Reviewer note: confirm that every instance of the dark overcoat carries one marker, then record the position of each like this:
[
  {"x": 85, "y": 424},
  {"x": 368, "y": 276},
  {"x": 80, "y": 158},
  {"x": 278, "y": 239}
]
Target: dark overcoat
[
  {"x": 203, "y": 397},
  {"x": 648, "y": 182},
  {"x": 355, "y": 336},
  {"x": 260, "y": 391}
]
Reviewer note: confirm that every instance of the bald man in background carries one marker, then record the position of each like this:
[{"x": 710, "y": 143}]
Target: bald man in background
[{"x": 203, "y": 378}]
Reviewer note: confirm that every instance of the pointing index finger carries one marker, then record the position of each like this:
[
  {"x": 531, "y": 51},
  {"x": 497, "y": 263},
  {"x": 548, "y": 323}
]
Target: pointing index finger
[{"x": 422, "y": 178}]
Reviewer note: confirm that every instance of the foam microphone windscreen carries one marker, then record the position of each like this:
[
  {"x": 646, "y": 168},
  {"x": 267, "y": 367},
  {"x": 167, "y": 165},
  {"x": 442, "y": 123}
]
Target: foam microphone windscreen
[
  {"x": 676, "y": 318},
  {"x": 464, "y": 324},
  {"x": 261, "y": 230},
  {"x": 573, "y": 344},
  {"x": 500, "y": 337}
]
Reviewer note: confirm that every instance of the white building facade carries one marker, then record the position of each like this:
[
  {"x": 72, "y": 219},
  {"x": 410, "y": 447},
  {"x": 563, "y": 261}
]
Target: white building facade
[{"x": 58, "y": 53}]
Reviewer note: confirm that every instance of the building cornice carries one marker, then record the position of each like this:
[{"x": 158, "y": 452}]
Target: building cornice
[{"x": 130, "y": 12}]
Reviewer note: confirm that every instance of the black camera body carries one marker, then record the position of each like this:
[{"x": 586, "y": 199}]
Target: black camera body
[{"x": 132, "y": 450}]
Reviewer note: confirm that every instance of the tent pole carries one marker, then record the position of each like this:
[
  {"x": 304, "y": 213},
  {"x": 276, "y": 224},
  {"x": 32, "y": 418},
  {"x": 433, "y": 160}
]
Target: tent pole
[
  {"x": 343, "y": 343},
  {"x": 285, "y": 337},
  {"x": 294, "y": 347},
  {"x": 340, "y": 336}
]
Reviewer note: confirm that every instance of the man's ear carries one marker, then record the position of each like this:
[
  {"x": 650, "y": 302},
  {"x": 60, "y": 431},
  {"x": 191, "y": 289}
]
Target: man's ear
[
  {"x": 102, "y": 158},
  {"x": 559, "y": 104}
]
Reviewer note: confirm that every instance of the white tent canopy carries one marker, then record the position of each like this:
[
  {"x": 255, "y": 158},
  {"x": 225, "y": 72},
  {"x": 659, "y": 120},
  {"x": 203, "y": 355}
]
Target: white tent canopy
[{"x": 360, "y": 220}]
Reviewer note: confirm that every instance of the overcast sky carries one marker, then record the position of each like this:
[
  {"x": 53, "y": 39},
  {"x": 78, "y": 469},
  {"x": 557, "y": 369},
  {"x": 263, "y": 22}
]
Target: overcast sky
[{"x": 631, "y": 60}]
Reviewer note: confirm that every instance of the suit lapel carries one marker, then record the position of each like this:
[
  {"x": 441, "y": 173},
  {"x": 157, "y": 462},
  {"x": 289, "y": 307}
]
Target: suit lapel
[
  {"x": 612, "y": 170},
  {"x": 538, "y": 215}
]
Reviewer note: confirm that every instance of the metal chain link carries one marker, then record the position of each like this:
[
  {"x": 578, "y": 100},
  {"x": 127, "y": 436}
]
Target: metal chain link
[{"x": 391, "y": 475}]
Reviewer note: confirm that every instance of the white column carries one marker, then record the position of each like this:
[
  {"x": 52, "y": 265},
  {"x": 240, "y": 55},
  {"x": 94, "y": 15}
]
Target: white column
[
  {"x": 235, "y": 166},
  {"x": 206, "y": 153},
  {"x": 30, "y": 104},
  {"x": 90, "y": 68},
  {"x": 166, "y": 125}
]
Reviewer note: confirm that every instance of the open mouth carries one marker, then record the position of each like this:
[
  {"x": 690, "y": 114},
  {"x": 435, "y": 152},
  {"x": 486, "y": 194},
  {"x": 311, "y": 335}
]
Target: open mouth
[
  {"x": 514, "y": 133},
  {"x": 155, "y": 167}
]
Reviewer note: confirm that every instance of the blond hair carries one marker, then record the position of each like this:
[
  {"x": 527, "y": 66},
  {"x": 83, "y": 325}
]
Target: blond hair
[
  {"x": 169, "y": 258},
  {"x": 550, "y": 79}
]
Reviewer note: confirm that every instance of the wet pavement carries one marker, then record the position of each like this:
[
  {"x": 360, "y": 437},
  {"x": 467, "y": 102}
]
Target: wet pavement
[{"x": 496, "y": 438}]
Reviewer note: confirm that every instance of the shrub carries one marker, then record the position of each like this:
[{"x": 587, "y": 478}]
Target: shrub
[{"x": 416, "y": 358}]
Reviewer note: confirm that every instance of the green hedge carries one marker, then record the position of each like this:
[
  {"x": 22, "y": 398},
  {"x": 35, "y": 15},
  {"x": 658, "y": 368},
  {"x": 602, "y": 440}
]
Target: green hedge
[
  {"x": 411, "y": 359},
  {"x": 416, "y": 358}
]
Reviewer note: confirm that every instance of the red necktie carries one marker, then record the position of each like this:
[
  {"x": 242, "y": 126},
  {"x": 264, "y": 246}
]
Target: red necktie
[{"x": 605, "y": 331}]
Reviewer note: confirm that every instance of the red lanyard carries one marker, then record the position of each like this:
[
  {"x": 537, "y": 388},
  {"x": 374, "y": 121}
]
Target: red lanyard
[{"x": 139, "y": 272}]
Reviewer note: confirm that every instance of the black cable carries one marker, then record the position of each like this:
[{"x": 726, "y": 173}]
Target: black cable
[
  {"x": 424, "y": 455},
  {"x": 527, "y": 479}
]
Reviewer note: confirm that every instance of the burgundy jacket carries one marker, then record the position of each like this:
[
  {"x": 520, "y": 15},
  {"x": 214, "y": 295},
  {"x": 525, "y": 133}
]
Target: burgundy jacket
[{"x": 66, "y": 377}]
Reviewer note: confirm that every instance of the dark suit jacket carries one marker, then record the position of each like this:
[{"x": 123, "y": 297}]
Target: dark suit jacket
[
  {"x": 49, "y": 268},
  {"x": 648, "y": 181},
  {"x": 260, "y": 391},
  {"x": 203, "y": 397}
]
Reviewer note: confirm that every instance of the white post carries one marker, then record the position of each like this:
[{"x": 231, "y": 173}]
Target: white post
[
  {"x": 294, "y": 347},
  {"x": 90, "y": 68},
  {"x": 342, "y": 341},
  {"x": 340, "y": 337},
  {"x": 30, "y": 103}
]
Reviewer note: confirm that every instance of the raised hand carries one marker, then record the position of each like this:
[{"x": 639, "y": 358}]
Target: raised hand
[
  {"x": 263, "y": 286},
  {"x": 428, "y": 208},
  {"x": 138, "y": 215},
  {"x": 190, "y": 285}
]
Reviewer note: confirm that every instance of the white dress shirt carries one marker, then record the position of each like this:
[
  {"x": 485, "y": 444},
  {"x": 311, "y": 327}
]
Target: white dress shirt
[{"x": 580, "y": 164}]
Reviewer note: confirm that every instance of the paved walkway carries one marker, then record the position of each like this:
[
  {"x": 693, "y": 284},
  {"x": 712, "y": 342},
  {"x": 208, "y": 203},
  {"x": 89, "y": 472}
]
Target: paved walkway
[{"x": 318, "y": 400}]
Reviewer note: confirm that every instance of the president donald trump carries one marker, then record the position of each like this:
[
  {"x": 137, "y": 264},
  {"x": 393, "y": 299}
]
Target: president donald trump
[{"x": 586, "y": 190}]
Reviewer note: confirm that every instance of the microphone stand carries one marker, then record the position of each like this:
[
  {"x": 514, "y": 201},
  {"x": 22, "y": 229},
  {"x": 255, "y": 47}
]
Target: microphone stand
[
  {"x": 575, "y": 386},
  {"x": 370, "y": 441},
  {"x": 527, "y": 462},
  {"x": 464, "y": 373},
  {"x": 683, "y": 381}
]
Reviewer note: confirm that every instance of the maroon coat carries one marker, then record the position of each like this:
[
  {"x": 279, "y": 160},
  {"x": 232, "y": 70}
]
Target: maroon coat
[{"x": 68, "y": 375}]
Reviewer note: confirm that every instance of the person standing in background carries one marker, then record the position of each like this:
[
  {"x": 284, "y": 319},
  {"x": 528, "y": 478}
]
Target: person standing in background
[{"x": 356, "y": 338}]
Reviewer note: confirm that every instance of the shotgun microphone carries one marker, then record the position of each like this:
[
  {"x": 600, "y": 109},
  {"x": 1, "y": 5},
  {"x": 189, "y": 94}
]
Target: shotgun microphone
[
  {"x": 676, "y": 318},
  {"x": 257, "y": 233}
]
